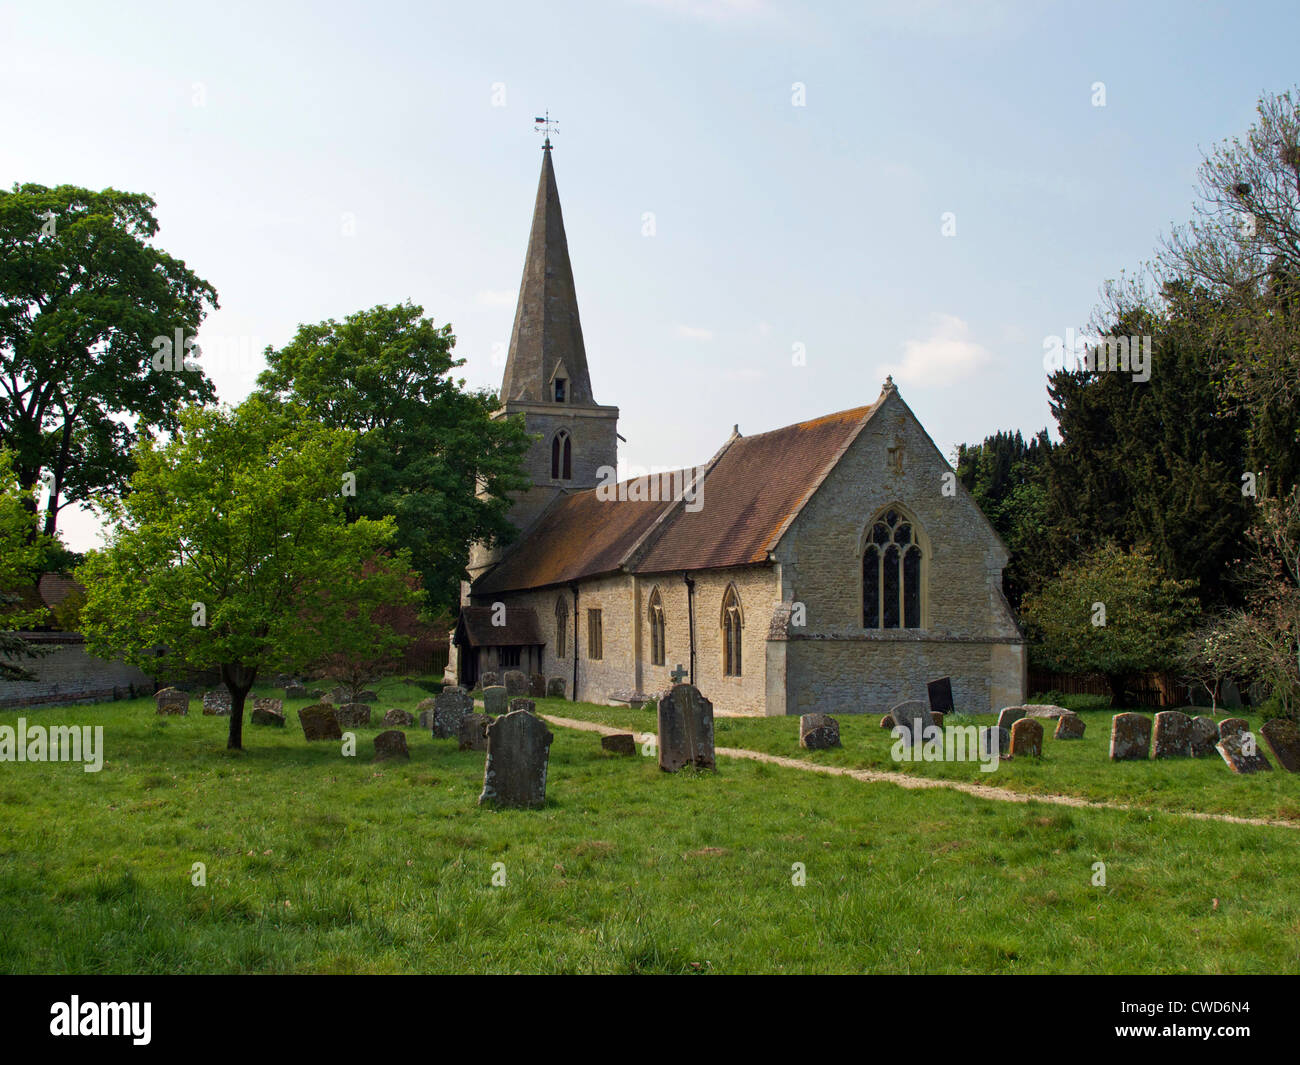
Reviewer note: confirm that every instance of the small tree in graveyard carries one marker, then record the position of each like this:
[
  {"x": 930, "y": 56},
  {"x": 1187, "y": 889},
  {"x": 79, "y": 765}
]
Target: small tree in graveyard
[
  {"x": 1270, "y": 643},
  {"x": 20, "y": 564},
  {"x": 232, "y": 552},
  {"x": 1211, "y": 654},
  {"x": 1113, "y": 612}
]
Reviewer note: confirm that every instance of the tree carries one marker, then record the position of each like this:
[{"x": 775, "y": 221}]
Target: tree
[
  {"x": 1113, "y": 612},
  {"x": 232, "y": 551},
  {"x": 1270, "y": 643},
  {"x": 429, "y": 453},
  {"x": 90, "y": 312},
  {"x": 1212, "y": 653},
  {"x": 20, "y": 565}
]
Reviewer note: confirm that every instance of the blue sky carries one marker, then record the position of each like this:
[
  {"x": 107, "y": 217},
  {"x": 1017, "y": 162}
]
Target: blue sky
[{"x": 311, "y": 160}]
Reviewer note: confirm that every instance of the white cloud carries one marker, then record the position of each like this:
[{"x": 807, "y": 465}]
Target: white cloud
[
  {"x": 694, "y": 334},
  {"x": 947, "y": 355}
]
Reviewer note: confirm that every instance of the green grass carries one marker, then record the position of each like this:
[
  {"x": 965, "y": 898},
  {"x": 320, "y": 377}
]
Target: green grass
[{"x": 319, "y": 863}]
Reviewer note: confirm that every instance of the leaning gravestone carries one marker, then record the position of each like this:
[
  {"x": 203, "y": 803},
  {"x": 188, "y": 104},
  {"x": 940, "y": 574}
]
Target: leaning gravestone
[
  {"x": 489, "y": 678},
  {"x": 268, "y": 712},
  {"x": 353, "y": 715},
  {"x": 817, "y": 732},
  {"x": 320, "y": 722},
  {"x": 494, "y": 699},
  {"x": 685, "y": 729},
  {"x": 397, "y": 717},
  {"x": 518, "y": 750},
  {"x": 537, "y": 686},
  {"x": 516, "y": 682},
  {"x": 1027, "y": 738},
  {"x": 172, "y": 701},
  {"x": 1171, "y": 737},
  {"x": 1204, "y": 735},
  {"x": 1130, "y": 737},
  {"x": 1240, "y": 752},
  {"x": 216, "y": 703},
  {"x": 913, "y": 716},
  {"x": 448, "y": 709},
  {"x": 424, "y": 710},
  {"x": 1069, "y": 727},
  {"x": 523, "y": 704},
  {"x": 940, "y": 694},
  {"x": 1009, "y": 715},
  {"x": 619, "y": 743},
  {"x": 391, "y": 744},
  {"x": 1283, "y": 739},
  {"x": 1233, "y": 726},
  {"x": 555, "y": 688},
  {"x": 473, "y": 732}
]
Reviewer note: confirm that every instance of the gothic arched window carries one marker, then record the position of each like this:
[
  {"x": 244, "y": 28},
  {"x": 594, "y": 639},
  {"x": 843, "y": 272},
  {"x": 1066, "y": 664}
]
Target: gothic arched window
[
  {"x": 656, "y": 619},
  {"x": 561, "y": 456},
  {"x": 561, "y": 627},
  {"x": 891, "y": 573},
  {"x": 733, "y": 623}
]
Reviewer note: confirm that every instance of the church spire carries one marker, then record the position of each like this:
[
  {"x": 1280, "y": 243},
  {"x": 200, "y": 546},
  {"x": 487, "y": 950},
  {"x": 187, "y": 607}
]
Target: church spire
[{"x": 547, "y": 362}]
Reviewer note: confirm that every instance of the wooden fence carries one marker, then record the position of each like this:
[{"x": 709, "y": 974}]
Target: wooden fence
[{"x": 1144, "y": 690}]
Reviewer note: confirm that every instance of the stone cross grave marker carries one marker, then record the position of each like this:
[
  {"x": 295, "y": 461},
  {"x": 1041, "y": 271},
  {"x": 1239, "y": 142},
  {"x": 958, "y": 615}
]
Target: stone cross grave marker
[{"x": 678, "y": 675}]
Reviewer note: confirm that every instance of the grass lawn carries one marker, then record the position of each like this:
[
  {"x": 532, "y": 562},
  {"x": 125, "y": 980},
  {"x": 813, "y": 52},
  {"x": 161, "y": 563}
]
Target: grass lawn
[{"x": 320, "y": 863}]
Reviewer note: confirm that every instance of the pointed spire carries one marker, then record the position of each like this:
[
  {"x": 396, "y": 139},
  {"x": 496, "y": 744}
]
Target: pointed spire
[{"x": 547, "y": 338}]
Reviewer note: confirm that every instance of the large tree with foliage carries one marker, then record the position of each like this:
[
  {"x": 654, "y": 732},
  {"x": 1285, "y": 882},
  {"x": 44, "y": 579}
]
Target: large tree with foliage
[
  {"x": 232, "y": 552},
  {"x": 21, "y": 557},
  {"x": 1112, "y": 612},
  {"x": 89, "y": 314},
  {"x": 429, "y": 453}
]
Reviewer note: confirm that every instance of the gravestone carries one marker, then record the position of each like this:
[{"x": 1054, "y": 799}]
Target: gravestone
[
  {"x": 991, "y": 739},
  {"x": 391, "y": 744},
  {"x": 936, "y": 718},
  {"x": 556, "y": 687},
  {"x": 296, "y": 691},
  {"x": 283, "y": 680},
  {"x": 516, "y": 682},
  {"x": 1204, "y": 735},
  {"x": 367, "y": 697},
  {"x": 489, "y": 679},
  {"x": 913, "y": 716},
  {"x": 268, "y": 712},
  {"x": 424, "y": 713},
  {"x": 518, "y": 751},
  {"x": 1068, "y": 727},
  {"x": 172, "y": 701},
  {"x": 1231, "y": 695},
  {"x": 817, "y": 732},
  {"x": 1239, "y": 750},
  {"x": 1172, "y": 735},
  {"x": 353, "y": 715},
  {"x": 888, "y": 722},
  {"x": 1009, "y": 715},
  {"x": 537, "y": 686},
  {"x": 399, "y": 718},
  {"x": 940, "y": 693},
  {"x": 449, "y": 708},
  {"x": 523, "y": 703},
  {"x": 1046, "y": 710},
  {"x": 620, "y": 743},
  {"x": 338, "y": 696},
  {"x": 1233, "y": 726},
  {"x": 495, "y": 699},
  {"x": 320, "y": 722},
  {"x": 1283, "y": 739},
  {"x": 1130, "y": 737},
  {"x": 216, "y": 703},
  {"x": 685, "y": 729},
  {"x": 1027, "y": 738},
  {"x": 473, "y": 732}
]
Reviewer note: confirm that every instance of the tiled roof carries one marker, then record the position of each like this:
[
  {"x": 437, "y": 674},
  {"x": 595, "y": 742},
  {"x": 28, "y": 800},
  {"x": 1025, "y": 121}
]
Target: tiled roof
[{"x": 520, "y": 628}]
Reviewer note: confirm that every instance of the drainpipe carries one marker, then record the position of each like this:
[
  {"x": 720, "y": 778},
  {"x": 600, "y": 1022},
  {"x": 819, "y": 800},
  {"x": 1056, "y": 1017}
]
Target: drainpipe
[
  {"x": 574, "y": 586},
  {"x": 690, "y": 616}
]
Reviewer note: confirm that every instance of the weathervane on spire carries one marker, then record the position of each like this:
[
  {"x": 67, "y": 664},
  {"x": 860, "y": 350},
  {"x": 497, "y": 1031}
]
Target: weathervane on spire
[{"x": 545, "y": 125}]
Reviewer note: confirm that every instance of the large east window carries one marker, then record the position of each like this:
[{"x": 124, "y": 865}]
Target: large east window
[{"x": 891, "y": 574}]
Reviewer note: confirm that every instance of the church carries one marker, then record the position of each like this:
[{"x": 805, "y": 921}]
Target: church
[{"x": 833, "y": 566}]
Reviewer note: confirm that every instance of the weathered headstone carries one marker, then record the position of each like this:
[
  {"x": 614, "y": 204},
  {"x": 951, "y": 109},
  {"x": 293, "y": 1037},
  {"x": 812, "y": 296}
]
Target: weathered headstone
[
  {"x": 495, "y": 699},
  {"x": 172, "y": 701},
  {"x": 353, "y": 715},
  {"x": 473, "y": 732},
  {"x": 320, "y": 722},
  {"x": 1283, "y": 739},
  {"x": 914, "y": 717},
  {"x": 1027, "y": 738},
  {"x": 216, "y": 703},
  {"x": 1046, "y": 710},
  {"x": 685, "y": 729},
  {"x": 1233, "y": 726},
  {"x": 1009, "y": 715},
  {"x": 296, "y": 691},
  {"x": 1204, "y": 735},
  {"x": 817, "y": 732},
  {"x": 391, "y": 744},
  {"x": 518, "y": 752},
  {"x": 940, "y": 694},
  {"x": 489, "y": 679},
  {"x": 1172, "y": 735},
  {"x": 537, "y": 686},
  {"x": 1240, "y": 751},
  {"x": 283, "y": 680},
  {"x": 268, "y": 712},
  {"x": 523, "y": 703},
  {"x": 888, "y": 722},
  {"x": 399, "y": 718},
  {"x": 424, "y": 712},
  {"x": 1130, "y": 737},
  {"x": 620, "y": 743},
  {"x": 556, "y": 687},
  {"x": 1068, "y": 727},
  {"x": 994, "y": 736},
  {"x": 366, "y": 697},
  {"x": 448, "y": 709},
  {"x": 516, "y": 682},
  {"x": 936, "y": 718},
  {"x": 338, "y": 696}
]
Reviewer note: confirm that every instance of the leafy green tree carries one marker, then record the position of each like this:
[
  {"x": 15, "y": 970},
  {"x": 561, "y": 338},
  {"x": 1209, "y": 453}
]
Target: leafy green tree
[
  {"x": 429, "y": 453},
  {"x": 20, "y": 564},
  {"x": 1113, "y": 612},
  {"x": 89, "y": 315},
  {"x": 232, "y": 552}
]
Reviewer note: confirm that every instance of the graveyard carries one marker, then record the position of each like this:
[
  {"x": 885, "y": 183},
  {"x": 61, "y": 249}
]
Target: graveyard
[{"x": 314, "y": 861}]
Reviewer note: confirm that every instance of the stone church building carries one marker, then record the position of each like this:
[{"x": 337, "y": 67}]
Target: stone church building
[{"x": 834, "y": 565}]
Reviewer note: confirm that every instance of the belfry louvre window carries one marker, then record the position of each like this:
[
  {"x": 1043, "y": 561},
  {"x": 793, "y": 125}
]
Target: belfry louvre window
[
  {"x": 561, "y": 456},
  {"x": 595, "y": 638},
  {"x": 891, "y": 574},
  {"x": 561, "y": 627},
  {"x": 656, "y": 620},
  {"x": 732, "y": 626}
]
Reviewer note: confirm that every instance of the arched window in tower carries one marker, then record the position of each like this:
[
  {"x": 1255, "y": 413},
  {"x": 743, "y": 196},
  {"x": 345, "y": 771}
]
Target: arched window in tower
[
  {"x": 561, "y": 627},
  {"x": 733, "y": 623},
  {"x": 561, "y": 456},
  {"x": 892, "y": 573},
  {"x": 655, "y": 616}
]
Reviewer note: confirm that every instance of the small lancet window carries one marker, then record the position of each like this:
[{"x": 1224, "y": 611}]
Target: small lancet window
[{"x": 561, "y": 456}]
